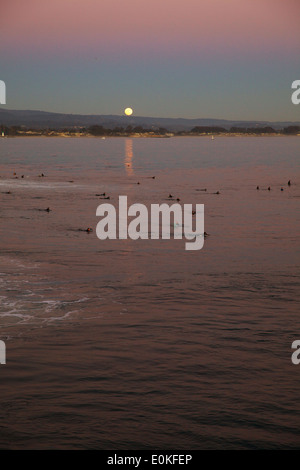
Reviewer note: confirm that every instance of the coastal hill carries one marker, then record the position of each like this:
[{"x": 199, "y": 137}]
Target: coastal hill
[{"x": 44, "y": 119}]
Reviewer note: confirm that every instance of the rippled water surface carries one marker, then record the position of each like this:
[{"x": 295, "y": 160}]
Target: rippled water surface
[{"x": 123, "y": 344}]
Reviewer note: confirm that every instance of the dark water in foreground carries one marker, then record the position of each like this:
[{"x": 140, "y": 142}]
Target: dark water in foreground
[{"x": 140, "y": 344}]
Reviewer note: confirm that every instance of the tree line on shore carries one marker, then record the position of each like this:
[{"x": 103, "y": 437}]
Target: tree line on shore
[{"x": 98, "y": 130}]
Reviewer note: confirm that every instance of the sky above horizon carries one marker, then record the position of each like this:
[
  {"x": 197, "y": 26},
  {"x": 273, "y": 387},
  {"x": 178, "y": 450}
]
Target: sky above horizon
[{"x": 231, "y": 59}]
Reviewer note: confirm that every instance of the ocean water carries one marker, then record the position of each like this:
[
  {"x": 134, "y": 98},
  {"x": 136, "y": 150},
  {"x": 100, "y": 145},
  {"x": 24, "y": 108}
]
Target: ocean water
[{"x": 127, "y": 345}]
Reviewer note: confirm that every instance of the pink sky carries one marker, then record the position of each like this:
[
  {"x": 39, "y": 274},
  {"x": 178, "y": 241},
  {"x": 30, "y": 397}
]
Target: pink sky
[
  {"x": 160, "y": 26},
  {"x": 188, "y": 58}
]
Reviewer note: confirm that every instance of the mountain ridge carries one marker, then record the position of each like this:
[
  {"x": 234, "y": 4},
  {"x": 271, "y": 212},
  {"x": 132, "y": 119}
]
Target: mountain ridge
[{"x": 38, "y": 119}]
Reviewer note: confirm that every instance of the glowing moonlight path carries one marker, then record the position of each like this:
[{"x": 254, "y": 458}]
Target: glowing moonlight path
[{"x": 128, "y": 111}]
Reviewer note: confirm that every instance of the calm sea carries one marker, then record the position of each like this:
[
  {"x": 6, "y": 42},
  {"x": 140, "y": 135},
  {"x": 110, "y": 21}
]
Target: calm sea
[{"x": 123, "y": 344}]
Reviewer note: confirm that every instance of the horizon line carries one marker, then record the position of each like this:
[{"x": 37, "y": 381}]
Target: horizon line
[{"x": 147, "y": 117}]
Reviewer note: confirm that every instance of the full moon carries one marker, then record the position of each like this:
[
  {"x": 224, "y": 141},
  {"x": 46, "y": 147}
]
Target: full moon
[{"x": 128, "y": 111}]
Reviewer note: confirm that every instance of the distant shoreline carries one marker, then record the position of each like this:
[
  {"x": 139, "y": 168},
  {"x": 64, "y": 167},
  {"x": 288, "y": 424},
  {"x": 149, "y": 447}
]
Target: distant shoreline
[{"x": 145, "y": 136}]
